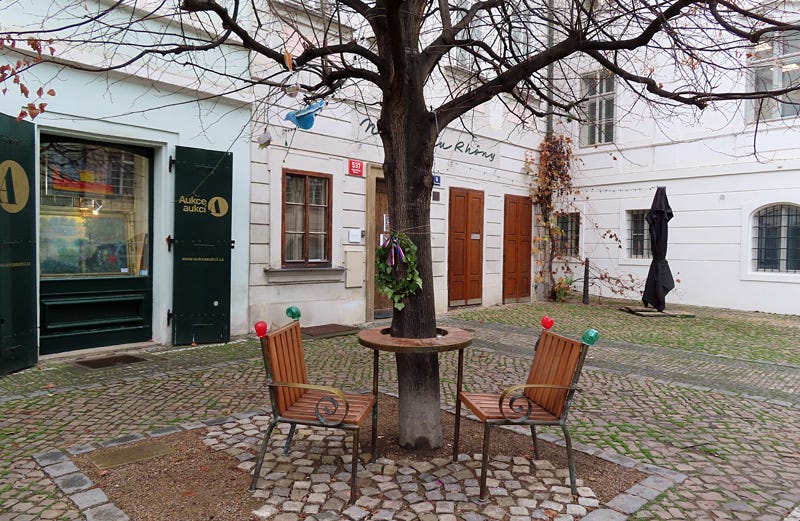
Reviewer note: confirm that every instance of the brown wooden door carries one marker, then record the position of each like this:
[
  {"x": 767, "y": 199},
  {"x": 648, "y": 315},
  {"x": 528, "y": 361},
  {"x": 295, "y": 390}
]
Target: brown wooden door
[
  {"x": 465, "y": 248},
  {"x": 517, "y": 227},
  {"x": 383, "y": 306}
]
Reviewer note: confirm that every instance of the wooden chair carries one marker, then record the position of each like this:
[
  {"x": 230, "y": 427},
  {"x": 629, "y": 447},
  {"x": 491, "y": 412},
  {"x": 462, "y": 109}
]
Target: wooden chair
[
  {"x": 296, "y": 402},
  {"x": 543, "y": 400}
]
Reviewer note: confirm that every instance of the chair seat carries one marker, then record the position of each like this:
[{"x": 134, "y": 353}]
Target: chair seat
[
  {"x": 305, "y": 408},
  {"x": 486, "y": 406}
]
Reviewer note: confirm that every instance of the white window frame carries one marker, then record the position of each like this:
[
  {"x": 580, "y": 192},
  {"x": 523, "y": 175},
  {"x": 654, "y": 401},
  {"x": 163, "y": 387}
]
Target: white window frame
[
  {"x": 598, "y": 127},
  {"x": 647, "y": 253},
  {"x": 747, "y": 265},
  {"x": 775, "y": 60},
  {"x": 780, "y": 220}
]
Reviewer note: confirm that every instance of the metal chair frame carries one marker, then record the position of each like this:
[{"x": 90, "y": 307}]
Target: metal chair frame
[
  {"x": 301, "y": 403},
  {"x": 533, "y": 403}
]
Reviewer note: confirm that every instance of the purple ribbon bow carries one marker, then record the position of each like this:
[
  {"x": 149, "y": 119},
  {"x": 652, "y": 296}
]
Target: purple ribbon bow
[{"x": 396, "y": 254}]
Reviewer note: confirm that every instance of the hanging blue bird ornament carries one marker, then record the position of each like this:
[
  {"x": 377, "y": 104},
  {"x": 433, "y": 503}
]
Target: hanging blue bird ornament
[{"x": 304, "y": 118}]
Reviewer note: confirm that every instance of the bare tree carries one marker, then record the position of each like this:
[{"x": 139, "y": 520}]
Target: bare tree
[{"x": 426, "y": 63}]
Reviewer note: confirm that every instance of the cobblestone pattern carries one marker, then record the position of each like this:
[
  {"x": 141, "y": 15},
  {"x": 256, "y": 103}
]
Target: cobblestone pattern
[
  {"x": 313, "y": 480},
  {"x": 764, "y": 379},
  {"x": 741, "y": 454}
]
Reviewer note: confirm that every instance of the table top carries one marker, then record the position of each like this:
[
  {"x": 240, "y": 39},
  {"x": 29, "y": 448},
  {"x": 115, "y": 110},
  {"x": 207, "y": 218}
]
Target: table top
[{"x": 450, "y": 339}]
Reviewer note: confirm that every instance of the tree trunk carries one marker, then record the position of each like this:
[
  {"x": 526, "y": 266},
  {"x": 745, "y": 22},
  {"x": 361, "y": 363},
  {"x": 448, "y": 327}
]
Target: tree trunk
[{"x": 408, "y": 132}]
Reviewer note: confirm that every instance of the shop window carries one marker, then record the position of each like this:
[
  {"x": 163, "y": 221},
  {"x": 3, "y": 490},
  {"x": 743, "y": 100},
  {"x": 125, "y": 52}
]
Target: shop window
[
  {"x": 776, "y": 238},
  {"x": 638, "y": 235},
  {"x": 306, "y": 219},
  {"x": 598, "y": 125},
  {"x": 567, "y": 234},
  {"x": 94, "y": 218}
]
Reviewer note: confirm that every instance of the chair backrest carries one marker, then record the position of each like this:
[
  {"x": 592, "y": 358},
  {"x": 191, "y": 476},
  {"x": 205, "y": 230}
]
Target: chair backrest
[
  {"x": 558, "y": 361},
  {"x": 285, "y": 362}
]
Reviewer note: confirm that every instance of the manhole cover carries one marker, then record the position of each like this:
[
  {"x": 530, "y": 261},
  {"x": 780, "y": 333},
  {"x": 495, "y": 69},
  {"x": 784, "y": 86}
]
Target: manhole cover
[{"x": 110, "y": 361}]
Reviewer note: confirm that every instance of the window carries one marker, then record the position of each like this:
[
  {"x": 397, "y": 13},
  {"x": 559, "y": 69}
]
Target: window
[
  {"x": 598, "y": 125},
  {"x": 460, "y": 57},
  {"x": 94, "y": 218},
  {"x": 306, "y": 219},
  {"x": 638, "y": 235},
  {"x": 776, "y": 65},
  {"x": 776, "y": 238},
  {"x": 567, "y": 234}
]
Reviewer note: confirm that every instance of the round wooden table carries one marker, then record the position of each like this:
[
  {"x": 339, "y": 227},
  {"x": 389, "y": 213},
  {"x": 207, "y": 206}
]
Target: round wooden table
[{"x": 449, "y": 339}]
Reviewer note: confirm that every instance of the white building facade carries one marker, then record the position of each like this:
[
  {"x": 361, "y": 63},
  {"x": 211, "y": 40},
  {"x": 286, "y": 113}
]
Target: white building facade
[{"x": 732, "y": 175}]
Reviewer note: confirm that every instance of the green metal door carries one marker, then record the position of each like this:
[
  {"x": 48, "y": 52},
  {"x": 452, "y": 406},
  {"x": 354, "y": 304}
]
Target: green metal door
[
  {"x": 202, "y": 246},
  {"x": 18, "y": 305}
]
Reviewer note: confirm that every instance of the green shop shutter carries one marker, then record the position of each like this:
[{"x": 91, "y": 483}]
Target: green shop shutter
[
  {"x": 18, "y": 348},
  {"x": 201, "y": 289}
]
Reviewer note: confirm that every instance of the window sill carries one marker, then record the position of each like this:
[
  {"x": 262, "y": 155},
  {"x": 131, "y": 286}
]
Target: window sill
[
  {"x": 772, "y": 276},
  {"x": 304, "y": 275},
  {"x": 626, "y": 261}
]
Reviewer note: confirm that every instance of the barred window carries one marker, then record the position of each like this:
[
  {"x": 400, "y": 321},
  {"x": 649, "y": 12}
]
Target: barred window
[
  {"x": 776, "y": 238},
  {"x": 567, "y": 236},
  {"x": 638, "y": 235}
]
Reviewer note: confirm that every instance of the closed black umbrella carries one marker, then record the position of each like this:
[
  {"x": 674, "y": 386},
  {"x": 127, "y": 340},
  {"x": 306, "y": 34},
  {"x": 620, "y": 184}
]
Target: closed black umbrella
[{"x": 659, "y": 278}]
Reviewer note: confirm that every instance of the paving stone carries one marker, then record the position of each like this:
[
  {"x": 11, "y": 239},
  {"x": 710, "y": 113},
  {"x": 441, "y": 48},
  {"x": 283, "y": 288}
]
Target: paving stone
[
  {"x": 107, "y": 512},
  {"x": 72, "y": 483},
  {"x": 122, "y": 440},
  {"x": 50, "y": 458},
  {"x": 89, "y": 498},
  {"x": 163, "y": 431},
  {"x": 627, "y": 503},
  {"x": 356, "y": 513},
  {"x": 605, "y": 514},
  {"x": 60, "y": 469},
  {"x": 80, "y": 449}
]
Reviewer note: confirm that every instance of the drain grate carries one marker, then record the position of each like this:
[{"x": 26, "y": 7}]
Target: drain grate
[{"x": 110, "y": 361}]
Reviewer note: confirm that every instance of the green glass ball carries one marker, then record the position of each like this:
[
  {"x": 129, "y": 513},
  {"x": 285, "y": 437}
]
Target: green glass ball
[{"x": 590, "y": 336}]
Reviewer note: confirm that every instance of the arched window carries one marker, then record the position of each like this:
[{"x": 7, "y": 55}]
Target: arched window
[{"x": 776, "y": 238}]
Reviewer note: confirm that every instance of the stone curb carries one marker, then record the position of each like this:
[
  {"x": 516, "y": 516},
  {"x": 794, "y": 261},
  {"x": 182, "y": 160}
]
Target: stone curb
[
  {"x": 628, "y": 502},
  {"x": 95, "y": 505},
  {"x": 91, "y": 500}
]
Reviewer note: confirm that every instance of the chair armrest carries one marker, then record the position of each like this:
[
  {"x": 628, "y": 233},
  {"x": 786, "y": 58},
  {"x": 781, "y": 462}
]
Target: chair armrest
[
  {"x": 327, "y": 406},
  {"x": 519, "y": 403}
]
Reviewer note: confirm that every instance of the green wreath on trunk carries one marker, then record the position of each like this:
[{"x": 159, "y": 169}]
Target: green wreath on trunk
[{"x": 396, "y": 273}]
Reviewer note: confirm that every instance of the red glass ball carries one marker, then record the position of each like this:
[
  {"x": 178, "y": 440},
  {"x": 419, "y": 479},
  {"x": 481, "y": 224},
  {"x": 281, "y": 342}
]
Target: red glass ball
[
  {"x": 261, "y": 328},
  {"x": 547, "y": 322}
]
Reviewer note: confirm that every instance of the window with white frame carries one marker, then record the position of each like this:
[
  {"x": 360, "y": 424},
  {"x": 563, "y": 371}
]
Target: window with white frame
[
  {"x": 598, "y": 106},
  {"x": 566, "y": 236},
  {"x": 638, "y": 235},
  {"x": 460, "y": 57},
  {"x": 775, "y": 65},
  {"x": 776, "y": 238}
]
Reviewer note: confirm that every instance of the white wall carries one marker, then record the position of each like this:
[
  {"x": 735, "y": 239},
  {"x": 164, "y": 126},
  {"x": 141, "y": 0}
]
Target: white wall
[{"x": 715, "y": 182}]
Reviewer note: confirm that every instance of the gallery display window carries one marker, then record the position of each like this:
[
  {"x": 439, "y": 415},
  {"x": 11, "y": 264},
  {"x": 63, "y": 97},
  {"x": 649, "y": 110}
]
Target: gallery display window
[{"x": 94, "y": 210}]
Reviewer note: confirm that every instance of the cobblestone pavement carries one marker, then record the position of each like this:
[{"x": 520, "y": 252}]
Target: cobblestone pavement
[{"x": 731, "y": 426}]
